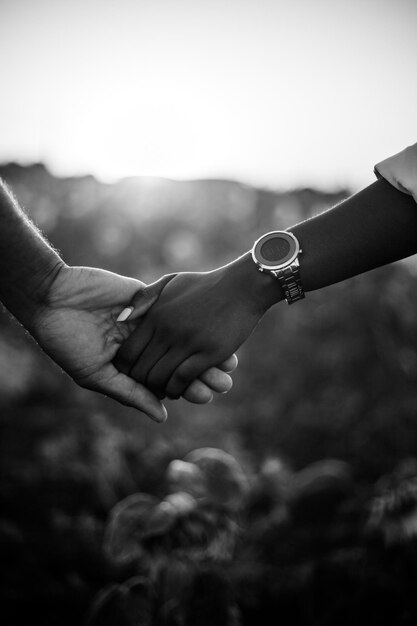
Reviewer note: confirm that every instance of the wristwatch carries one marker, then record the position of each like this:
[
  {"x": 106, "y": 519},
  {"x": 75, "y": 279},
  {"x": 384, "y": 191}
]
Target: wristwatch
[{"x": 277, "y": 253}]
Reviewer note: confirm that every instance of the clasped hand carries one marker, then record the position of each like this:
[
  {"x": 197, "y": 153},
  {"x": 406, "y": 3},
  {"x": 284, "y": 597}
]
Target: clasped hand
[{"x": 198, "y": 320}]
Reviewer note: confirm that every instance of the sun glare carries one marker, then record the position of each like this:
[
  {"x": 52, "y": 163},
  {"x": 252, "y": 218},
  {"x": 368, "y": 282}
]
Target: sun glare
[{"x": 272, "y": 93}]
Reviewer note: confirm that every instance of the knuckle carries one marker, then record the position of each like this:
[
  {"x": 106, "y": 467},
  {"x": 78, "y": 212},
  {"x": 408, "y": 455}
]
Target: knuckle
[{"x": 181, "y": 376}]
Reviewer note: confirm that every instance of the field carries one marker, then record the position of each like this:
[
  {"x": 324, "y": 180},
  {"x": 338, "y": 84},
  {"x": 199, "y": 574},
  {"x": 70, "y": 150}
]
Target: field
[{"x": 321, "y": 422}]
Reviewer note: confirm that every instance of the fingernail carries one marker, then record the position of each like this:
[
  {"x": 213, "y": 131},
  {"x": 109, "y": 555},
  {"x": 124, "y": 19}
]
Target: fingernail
[
  {"x": 165, "y": 414},
  {"x": 125, "y": 314},
  {"x": 158, "y": 418},
  {"x": 230, "y": 382}
]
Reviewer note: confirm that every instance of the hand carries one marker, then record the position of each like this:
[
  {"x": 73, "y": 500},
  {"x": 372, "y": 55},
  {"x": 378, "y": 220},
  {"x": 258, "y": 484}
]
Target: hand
[
  {"x": 77, "y": 327},
  {"x": 198, "y": 320},
  {"x": 215, "y": 379}
]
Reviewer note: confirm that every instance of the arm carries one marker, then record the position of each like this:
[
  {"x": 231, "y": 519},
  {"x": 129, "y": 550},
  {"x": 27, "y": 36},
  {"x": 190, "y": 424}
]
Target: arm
[
  {"x": 28, "y": 264},
  {"x": 374, "y": 227},
  {"x": 72, "y": 312},
  {"x": 219, "y": 309}
]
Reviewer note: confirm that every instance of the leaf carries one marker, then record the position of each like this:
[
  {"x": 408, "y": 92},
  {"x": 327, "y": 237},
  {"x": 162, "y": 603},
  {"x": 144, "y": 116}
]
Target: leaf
[
  {"x": 226, "y": 483},
  {"x": 186, "y": 477},
  {"x": 319, "y": 488},
  {"x": 140, "y": 600},
  {"x": 183, "y": 503},
  {"x": 128, "y": 525},
  {"x": 129, "y": 604},
  {"x": 160, "y": 520},
  {"x": 108, "y": 608}
]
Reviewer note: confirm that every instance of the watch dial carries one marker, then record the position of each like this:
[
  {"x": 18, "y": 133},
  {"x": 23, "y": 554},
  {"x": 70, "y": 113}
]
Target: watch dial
[{"x": 275, "y": 249}]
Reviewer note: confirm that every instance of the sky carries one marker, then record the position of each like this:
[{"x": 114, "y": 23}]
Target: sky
[{"x": 276, "y": 93}]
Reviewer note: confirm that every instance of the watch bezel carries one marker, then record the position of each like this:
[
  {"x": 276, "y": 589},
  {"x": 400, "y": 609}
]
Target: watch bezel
[{"x": 286, "y": 261}]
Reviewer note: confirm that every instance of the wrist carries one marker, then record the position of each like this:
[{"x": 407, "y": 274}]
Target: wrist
[
  {"x": 29, "y": 300},
  {"x": 260, "y": 288},
  {"x": 47, "y": 281}
]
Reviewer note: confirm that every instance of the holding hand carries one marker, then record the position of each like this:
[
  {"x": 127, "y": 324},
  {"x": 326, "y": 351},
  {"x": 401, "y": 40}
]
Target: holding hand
[
  {"x": 198, "y": 320},
  {"x": 77, "y": 326}
]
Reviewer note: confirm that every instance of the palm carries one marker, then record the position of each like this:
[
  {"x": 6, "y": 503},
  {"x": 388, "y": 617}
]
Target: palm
[
  {"x": 83, "y": 310},
  {"x": 78, "y": 330}
]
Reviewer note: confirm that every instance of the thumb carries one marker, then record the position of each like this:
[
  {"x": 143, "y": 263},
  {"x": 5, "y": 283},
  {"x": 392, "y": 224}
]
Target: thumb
[
  {"x": 144, "y": 298},
  {"x": 130, "y": 393}
]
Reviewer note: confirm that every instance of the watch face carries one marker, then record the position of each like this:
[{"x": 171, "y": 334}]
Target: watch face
[{"x": 275, "y": 250}]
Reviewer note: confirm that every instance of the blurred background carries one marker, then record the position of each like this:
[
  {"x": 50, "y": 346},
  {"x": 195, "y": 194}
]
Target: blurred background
[{"x": 146, "y": 137}]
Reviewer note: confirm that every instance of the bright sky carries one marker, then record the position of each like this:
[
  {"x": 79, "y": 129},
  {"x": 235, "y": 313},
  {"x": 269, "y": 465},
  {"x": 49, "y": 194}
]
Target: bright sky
[{"x": 270, "y": 92}]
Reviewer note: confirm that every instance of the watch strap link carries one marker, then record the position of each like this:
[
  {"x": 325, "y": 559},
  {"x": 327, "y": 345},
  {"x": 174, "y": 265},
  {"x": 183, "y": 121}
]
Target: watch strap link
[{"x": 290, "y": 281}]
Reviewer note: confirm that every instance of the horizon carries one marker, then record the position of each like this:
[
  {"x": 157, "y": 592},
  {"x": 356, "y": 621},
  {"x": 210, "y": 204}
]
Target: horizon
[{"x": 142, "y": 178}]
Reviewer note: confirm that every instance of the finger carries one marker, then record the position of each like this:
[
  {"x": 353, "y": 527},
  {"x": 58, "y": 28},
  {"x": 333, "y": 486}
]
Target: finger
[
  {"x": 131, "y": 350},
  {"x": 198, "y": 393},
  {"x": 159, "y": 376},
  {"x": 144, "y": 298},
  {"x": 230, "y": 364},
  {"x": 128, "y": 392},
  {"x": 189, "y": 370},
  {"x": 217, "y": 380},
  {"x": 150, "y": 356},
  {"x": 214, "y": 379},
  {"x": 200, "y": 390}
]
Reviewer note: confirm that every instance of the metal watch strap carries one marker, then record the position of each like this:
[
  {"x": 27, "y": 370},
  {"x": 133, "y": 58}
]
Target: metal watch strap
[{"x": 290, "y": 281}]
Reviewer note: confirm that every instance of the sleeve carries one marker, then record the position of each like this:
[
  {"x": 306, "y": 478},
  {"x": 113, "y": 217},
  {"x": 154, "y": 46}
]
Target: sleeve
[{"x": 401, "y": 170}]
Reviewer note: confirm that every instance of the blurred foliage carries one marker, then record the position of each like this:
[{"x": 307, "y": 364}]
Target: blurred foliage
[
  {"x": 333, "y": 378},
  {"x": 310, "y": 547}
]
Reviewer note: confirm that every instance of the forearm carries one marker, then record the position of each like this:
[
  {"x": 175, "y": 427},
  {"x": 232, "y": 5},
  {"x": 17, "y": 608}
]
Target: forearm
[
  {"x": 28, "y": 264},
  {"x": 374, "y": 227}
]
